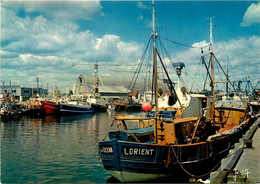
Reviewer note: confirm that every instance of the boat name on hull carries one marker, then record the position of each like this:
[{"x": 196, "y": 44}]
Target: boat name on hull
[
  {"x": 106, "y": 149},
  {"x": 129, "y": 151}
]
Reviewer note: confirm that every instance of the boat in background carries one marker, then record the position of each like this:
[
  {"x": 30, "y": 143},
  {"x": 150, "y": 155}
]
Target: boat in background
[
  {"x": 50, "y": 107},
  {"x": 93, "y": 98},
  {"x": 96, "y": 103},
  {"x": 10, "y": 111},
  {"x": 68, "y": 109},
  {"x": 132, "y": 103},
  {"x": 34, "y": 107},
  {"x": 127, "y": 106}
]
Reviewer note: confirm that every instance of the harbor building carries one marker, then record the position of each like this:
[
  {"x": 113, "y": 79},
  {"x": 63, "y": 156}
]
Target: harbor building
[
  {"x": 85, "y": 85},
  {"x": 21, "y": 93},
  {"x": 109, "y": 87}
]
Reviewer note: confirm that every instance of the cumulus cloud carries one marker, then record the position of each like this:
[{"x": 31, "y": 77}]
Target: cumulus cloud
[
  {"x": 147, "y": 22},
  {"x": 110, "y": 47},
  {"x": 39, "y": 46},
  {"x": 240, "y": 54},
  {"x": 141, "y": 5},
  {"x": 141, "y": 17},
  {"x": 252, "y": 15},
  {"x": 59, "y": 10}
]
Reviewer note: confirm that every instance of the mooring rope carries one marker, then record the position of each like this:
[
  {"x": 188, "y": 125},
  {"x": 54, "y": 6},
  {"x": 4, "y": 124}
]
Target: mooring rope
[{"x": 197, "y": 176}]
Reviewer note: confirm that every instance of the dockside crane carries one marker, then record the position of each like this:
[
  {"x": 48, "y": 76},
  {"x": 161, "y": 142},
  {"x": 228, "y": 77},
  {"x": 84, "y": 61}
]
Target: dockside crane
[{"x": 96, "y": 66}]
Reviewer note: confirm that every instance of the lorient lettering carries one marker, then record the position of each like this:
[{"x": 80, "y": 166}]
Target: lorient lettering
[{"x": 138, "y": 151}]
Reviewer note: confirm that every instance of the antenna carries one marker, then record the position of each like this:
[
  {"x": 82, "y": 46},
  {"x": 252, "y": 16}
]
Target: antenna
[
  {"x": 210, "y": 34},
  {"x": 153, "y": 33}
]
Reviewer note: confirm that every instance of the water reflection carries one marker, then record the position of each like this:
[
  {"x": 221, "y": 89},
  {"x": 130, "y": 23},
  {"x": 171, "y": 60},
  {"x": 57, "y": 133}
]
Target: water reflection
[{"x": 53, "y": 149}]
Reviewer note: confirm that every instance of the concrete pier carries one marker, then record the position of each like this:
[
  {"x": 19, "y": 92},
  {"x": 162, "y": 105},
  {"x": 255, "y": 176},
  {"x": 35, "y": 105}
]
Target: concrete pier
[
  {"x": 242, "y": 165},
  {"x": 249, "y": 163}
]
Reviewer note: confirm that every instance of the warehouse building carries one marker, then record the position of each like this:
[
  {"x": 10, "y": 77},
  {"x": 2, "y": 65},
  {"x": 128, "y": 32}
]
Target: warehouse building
[{"x": 21, "y": 93}]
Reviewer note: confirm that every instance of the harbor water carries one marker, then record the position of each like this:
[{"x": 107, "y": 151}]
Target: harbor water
[{"x": 53, "y": 149}]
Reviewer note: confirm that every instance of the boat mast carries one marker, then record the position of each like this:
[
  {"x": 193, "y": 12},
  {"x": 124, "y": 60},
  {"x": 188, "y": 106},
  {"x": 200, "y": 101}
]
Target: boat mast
[
  {"x": 155, "y": 71},
  {"x": 96, "y": 78},
  {"x": 212, "y": 71},
  {"x": 227, "y": 82},
  {"x": 212, "y": 56}
]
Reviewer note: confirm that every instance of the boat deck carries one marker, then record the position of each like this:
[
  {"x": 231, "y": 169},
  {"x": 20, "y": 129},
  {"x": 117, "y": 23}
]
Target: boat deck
[{"x": 227, "y": 127}]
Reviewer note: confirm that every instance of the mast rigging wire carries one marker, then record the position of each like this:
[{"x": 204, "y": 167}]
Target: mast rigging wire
[
  {"x": 185, "y": 45},
  {"x": 134, "y": 78}
]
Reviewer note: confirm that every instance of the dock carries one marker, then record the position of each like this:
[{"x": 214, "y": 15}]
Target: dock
[
  {"x": 249, "y": 163},
  {"x": 242, "y": 165}
]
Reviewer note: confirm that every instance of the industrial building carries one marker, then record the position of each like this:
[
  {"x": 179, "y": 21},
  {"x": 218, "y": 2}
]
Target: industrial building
[
  {"x": 85, "y": 86},
  {"x": 109, "y": 87},
  {"x": 21, "y": 93}
]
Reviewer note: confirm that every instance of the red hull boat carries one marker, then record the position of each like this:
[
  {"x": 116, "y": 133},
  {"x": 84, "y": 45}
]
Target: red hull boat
[{"x": 50, "y": 107}]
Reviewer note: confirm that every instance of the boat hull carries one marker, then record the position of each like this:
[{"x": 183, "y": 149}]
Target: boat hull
[
  {"x": 99, "y": 108},
  {"x": 128, "y": 107},
  {"x": 125, "y": 176},
  {"x": 50, "y": 107},
  {"x": 75, "y": 109}
]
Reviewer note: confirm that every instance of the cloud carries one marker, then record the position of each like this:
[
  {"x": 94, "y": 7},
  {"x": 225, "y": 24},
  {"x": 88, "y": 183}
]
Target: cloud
[
  {"x": 240, "y": 54},
  {"x": 59, "y": 10},
  {"x": 38, "y": 46},
  {"x": 147, "y": 22},
  {"x": 140, "y": 18},
  {"x": 142, "y": 6},
  {"x": 7, "y": 54},
  {"x": 252, "y": 15}
]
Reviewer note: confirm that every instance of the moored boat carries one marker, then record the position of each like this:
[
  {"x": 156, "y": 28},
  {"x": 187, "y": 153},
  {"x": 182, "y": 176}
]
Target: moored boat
[
  {"x": 34, "y": 107},
  {"x": 50, "y": 107},
  {"x": 174, "y": 141},
  {"x": 96, "y": 103},
  {"x": 10, "y": 111},
  {"x": 127, "y": 106},
  {"x": 67, "y": 109}
]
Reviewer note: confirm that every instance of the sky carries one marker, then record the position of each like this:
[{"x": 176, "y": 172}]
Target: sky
[{"x": 43, "y": 38}]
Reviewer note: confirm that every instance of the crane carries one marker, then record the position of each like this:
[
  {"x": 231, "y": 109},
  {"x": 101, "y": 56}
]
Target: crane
[{"x": 96, "y": 65}]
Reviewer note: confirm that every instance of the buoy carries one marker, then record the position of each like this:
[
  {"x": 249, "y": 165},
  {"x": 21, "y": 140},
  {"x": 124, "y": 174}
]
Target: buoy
[{"x": 146, "y": 106}]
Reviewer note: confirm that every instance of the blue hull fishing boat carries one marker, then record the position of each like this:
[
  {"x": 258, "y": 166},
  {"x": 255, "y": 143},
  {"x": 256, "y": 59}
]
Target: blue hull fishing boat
[
  {"x": 133, "y": 155},
  {"x": 75, "y": 109},
  {"x": 185, "y": 137}
]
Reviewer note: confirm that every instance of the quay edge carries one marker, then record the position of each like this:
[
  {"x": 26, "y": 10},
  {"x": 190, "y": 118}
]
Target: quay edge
[{"x": 228, "y": 171}]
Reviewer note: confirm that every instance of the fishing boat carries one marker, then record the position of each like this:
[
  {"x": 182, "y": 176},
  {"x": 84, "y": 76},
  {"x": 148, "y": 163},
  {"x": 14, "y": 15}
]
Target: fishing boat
[
  {"x": 94, "y": 98},
  {"x": 35, "y": 107},
  {"x": 131, "y": 103},
  {"x": 127, "y": 106},
  {"x": 10, "y": 111},
  {"x": 96, "y": 103},
  {"x": 173, "y": 142},
  {"x": 68, "y": 109},
  {"x": 50, "y": 107}
]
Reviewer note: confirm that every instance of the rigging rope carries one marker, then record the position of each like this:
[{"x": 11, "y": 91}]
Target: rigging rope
[
  {"x": 195, "y": 76},
  {"x": 185, "y": 45},
  {"x": 134, "y": 79},
  {"x": 197, "y": 176}
]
